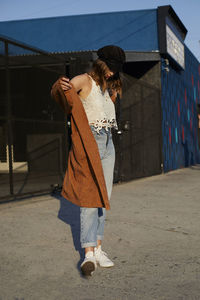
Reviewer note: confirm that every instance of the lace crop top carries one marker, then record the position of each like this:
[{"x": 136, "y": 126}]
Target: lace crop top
[{"x": 99, "y": 108}]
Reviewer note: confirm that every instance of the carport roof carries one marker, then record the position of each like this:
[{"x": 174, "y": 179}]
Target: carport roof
[{"x": 35, "y": 56}]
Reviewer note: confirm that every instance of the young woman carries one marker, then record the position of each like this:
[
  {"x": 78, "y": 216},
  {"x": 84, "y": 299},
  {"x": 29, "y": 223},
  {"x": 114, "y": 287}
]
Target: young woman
[{"x": 89, "y": 177}]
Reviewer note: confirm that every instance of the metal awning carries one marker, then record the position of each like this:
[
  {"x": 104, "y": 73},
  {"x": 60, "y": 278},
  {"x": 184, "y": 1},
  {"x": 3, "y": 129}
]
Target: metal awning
[{"x": 38, "y": 57}]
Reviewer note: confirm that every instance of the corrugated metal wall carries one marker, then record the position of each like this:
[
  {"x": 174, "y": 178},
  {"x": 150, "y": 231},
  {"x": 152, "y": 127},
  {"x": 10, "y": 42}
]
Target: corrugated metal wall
[{"x": 138, "y": 147}]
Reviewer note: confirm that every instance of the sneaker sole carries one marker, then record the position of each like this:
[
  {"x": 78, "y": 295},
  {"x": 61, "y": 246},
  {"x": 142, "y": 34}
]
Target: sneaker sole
[
  {"x": 105, "y": 266},
  {"x": 88, "y": 268}
]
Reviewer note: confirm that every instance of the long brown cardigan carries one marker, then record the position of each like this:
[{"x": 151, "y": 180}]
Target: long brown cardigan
[{"x": 84, "y": 183}]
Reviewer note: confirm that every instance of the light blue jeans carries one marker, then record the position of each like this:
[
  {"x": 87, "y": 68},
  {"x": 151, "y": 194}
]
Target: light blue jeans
[{"x": 92, "y": 219}]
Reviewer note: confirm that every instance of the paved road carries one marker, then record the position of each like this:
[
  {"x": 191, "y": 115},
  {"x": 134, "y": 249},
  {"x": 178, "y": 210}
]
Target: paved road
[{"x": 152, "y": 235}]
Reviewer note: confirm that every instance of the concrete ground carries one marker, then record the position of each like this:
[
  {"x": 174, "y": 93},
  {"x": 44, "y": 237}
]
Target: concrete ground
[{"x": 152, "y": 234}]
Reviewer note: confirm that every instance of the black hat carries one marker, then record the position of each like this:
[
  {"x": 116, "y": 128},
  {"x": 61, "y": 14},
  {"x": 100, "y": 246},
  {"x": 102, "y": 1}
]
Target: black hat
[{"x": 113, "y": 56}]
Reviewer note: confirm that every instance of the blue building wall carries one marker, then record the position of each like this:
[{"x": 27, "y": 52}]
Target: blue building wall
[
  {"x": 180, "y": 95},
  {"x": 131, "y": 30}
]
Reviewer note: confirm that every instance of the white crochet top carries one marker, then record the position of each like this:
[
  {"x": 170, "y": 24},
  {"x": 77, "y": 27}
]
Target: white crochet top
[{"x": 99, "y": 108}]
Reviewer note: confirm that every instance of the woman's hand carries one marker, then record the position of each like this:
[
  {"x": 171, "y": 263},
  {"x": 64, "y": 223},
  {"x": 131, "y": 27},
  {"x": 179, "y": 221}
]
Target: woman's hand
[
  {"x": 81, "y": 83},
  {"x": 64, "y": 83}
]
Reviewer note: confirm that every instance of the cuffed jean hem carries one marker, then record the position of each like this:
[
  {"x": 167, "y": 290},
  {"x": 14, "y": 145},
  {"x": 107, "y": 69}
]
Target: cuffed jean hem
[
  {"x": 91, "y": 244},
  {"x": 100, "y": 237}
]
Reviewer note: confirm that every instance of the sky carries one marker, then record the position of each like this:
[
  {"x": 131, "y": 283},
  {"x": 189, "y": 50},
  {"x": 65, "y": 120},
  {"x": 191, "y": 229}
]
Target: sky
[{"x": 187, "y": 10}]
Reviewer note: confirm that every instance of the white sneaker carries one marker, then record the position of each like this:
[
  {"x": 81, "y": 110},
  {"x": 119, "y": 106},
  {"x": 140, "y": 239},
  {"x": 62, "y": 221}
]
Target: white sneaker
[
  {"x": 102, "y": 258},
  {"x": 89, "y": 264}
]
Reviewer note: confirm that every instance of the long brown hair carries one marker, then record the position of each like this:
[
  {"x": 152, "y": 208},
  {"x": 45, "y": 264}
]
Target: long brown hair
[{"x": 98, "y": 72}]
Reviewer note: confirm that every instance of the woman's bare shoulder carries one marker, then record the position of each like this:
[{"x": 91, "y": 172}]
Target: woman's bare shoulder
[
  {"x": 82, "y": 78},
  {"x": 80, "y": 81}
]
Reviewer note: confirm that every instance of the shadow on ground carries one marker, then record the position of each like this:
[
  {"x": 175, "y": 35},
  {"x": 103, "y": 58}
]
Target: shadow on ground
[{"x": 70, "y": 214}]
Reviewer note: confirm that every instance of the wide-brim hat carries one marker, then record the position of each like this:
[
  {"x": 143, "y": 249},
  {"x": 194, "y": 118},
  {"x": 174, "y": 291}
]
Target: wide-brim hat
[{"x": 113, "y": 56}]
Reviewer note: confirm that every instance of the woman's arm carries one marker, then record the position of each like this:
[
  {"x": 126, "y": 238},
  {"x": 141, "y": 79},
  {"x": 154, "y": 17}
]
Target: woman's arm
[{"x": 79, "y": 82}]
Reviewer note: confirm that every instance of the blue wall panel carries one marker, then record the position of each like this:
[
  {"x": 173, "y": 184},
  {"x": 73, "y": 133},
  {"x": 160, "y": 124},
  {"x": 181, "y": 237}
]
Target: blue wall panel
[
  {"x": 180, "y": 95},
  {"x": 132, "y": 30}
]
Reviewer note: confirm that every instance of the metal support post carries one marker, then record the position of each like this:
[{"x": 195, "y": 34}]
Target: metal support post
[{"x": 9, "y": 119}]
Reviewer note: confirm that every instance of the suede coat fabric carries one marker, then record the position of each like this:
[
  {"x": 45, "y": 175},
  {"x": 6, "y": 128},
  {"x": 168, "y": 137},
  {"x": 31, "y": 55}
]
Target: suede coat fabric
[{"x": 84, "y": 183}]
